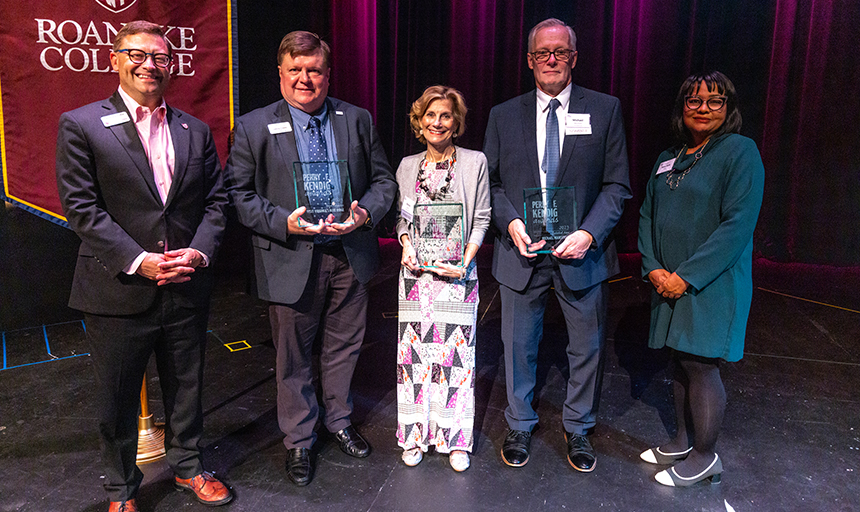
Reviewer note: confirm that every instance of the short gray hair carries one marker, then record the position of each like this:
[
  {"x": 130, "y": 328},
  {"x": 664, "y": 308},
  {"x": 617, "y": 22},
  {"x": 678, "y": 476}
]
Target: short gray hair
[{"x": 551, "y": 22}]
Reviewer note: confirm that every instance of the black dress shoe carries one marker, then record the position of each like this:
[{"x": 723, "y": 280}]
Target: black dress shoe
[
  {"x": 580, "y": 453},
  {"x": 299, "y": 467},
  {"x": 515, "y": 450},
  {"x": 352, "y": 443}
]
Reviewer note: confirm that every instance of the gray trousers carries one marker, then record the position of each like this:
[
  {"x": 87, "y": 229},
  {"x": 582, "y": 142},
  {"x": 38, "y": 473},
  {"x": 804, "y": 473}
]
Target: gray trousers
[
  {"x": 522, "y": 331},
  {"x": 333, "y": 307}
]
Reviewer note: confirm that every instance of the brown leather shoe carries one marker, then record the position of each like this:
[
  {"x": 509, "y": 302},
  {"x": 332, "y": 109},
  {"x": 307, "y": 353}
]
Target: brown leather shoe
[
  {"x": 124, "y": 506},
  {"x": 206, "y": 488}
]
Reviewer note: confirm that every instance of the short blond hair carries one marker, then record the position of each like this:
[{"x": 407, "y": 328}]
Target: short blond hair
[{"x": 431, "y": 94}]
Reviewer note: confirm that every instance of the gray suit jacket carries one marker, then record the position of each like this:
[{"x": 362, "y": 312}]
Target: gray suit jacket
[
  {"x": 109, "y": 196},
  {"x": 595, "y": 164},
  {"x": 259, "y": 175}
]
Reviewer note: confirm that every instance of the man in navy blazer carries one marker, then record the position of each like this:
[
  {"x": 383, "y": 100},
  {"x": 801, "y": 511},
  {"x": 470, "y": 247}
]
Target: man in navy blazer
[
  {"x": 140, "y": 183},
  {"x": 559, "y": 135},
  {"x": 315, "y": 277}
]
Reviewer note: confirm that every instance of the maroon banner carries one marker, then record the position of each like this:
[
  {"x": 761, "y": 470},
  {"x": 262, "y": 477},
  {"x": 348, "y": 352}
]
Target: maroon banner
[{"x": 56, "y": 57}]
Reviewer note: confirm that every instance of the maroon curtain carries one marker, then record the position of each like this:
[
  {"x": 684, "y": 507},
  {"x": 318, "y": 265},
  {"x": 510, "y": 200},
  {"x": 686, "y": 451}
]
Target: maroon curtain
[{"x": 794, "y": 62}]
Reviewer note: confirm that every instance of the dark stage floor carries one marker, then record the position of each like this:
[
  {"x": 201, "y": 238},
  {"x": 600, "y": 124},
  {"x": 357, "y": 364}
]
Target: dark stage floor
[{"x": 791, "y": 436}]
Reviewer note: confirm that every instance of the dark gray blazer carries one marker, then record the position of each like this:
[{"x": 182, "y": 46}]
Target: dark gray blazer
[
  {"x": 259, "y": 175},
  {"x": 595, "y": 164},
  {"x": 110, "y": 200}
]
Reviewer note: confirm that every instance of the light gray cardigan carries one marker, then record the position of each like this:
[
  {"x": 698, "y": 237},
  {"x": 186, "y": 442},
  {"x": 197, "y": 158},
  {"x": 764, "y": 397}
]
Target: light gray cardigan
[{"x": 471, "y": 187}]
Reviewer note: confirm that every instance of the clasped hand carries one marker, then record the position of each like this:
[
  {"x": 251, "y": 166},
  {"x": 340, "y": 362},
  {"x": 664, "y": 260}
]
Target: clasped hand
[
  {"x": 170, "y": 267},
  {"x": 327, "y": 226},
  {"x": 574, "y": 246},
  {"x": 668, "y": 285}
]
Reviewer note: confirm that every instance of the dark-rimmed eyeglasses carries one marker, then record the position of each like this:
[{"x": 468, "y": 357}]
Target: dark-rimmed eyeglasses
[
  {"x": 161, "y": 60},
  {"x": 562, "y": 55},
  {"x": 713, "y": 103}
]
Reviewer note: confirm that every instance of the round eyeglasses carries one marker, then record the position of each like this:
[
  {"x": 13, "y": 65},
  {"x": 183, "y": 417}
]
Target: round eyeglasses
[
  {"x": 161, "y": 60},
  {"x": 562, "y": 55},
  {"x": 713, "y": 103}
]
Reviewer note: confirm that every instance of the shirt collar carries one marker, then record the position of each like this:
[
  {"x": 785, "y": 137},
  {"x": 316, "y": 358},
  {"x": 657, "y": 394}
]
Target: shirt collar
[
  {"x": 132, "y": 105},
  {"x": 302, "y": 118},
  {"x": 563, "y": 98}
]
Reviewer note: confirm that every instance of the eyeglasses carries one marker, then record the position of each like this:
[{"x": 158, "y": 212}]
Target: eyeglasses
[
  {"x": 161, "y": 60},
  {"x": 713, "y": 103},
  {"x": 562, "y": 55}
]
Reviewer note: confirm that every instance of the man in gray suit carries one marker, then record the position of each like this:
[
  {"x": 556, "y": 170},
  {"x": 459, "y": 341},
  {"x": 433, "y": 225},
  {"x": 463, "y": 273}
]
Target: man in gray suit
[
  {"x": 314, "y": 276},
  {"x": 140, "y": 183},
  {"x": 559, "y": 135}
]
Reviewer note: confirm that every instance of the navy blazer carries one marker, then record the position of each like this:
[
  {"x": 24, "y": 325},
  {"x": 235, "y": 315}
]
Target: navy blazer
[
  {"x": 595, "y": 164},
  {"x": 110, "y": 200},
  {"x": 259, "y": 175}
]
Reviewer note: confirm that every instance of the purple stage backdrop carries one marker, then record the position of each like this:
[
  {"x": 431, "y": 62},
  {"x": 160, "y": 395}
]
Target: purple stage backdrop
[{"x": 795, "y": 64}]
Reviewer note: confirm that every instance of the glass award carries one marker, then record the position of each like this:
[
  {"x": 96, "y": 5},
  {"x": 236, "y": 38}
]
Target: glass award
[
  {"x": 550, "y": 214},
  {"x": 323, "y": 189},
  {"x": 438, "y": 234}
]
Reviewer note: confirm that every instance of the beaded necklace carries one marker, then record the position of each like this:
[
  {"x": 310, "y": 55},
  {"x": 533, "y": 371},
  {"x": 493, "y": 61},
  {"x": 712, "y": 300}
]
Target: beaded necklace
[
  {"x": 678, "y": 175},
  {"x": 448, "y": 164}
]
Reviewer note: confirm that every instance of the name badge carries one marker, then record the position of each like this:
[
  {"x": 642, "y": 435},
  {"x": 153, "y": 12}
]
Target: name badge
[
  {"x": 407, "y": 208},
  {"x": 666, "y": 166},
  {"x": 338, "y": 112},
  {"x": 577, "y": 124},
  {"x": 276, "y": 128},
  {"x": 115, "y": 119}
]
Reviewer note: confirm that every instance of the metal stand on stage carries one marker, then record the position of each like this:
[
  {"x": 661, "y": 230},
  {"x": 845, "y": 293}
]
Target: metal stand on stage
[{"x": 150, "y": 437}]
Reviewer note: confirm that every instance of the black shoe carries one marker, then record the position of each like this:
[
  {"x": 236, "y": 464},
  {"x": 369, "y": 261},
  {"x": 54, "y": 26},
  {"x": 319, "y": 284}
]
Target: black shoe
[
  {"x": 580, "y": 453},
  {"x": 515, "y": 450},
  {"x": 299, "y": 467},
  {"x": 352, "y": 443}
]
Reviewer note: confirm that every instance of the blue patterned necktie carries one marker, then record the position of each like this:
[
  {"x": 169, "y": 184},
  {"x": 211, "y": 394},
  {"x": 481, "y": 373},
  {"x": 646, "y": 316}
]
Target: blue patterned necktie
[
  {"x": 550, "y": 153},
  {"x": 316, "y": 142},
  {"x": 318, "y": 152},
  {"x": 319, "y": 197}
]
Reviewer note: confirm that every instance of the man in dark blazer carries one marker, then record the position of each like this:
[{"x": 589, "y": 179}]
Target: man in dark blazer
[
  {"x": 314, "y": 276},
  {"x": 559, "y": 135},
  {"x": 140, "y": 183}
]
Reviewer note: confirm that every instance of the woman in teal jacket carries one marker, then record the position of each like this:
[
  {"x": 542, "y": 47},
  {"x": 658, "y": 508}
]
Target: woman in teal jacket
[{"x": 695, "y": 235}]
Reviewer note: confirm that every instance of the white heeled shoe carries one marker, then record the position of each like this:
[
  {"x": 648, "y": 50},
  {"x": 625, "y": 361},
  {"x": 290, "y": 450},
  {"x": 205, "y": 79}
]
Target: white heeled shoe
[
  {"x": 657, "y": 456},
  {"x": 712, "y": 473}
]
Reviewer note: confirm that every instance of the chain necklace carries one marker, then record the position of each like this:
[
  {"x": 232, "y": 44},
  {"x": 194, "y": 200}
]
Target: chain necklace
[
  {"x": 674, "y": 177},
  {"x": 448, "y": 164}
]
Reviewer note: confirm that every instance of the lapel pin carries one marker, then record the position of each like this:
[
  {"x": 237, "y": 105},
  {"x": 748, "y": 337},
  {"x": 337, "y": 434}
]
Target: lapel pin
[{"x": 185, "y": 126}]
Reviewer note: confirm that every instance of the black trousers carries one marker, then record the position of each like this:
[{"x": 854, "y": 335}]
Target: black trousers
[
  {"x": 120, "y": 349},
  {"x": 333, "y": 306}
]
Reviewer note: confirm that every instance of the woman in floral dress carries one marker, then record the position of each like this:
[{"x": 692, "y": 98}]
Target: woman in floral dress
[{"x": 438, "y": 301}]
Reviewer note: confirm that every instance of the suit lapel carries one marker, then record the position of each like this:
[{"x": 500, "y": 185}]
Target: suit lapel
[
  {"x": 529, "y": 126},
  {"x": 286, "y": 140},
  {"x": 181, "y": 144},
  {"x": 340, "y": 128},
  {"x": 577, "y": 105},
  {"x": 127, "y": 136}
]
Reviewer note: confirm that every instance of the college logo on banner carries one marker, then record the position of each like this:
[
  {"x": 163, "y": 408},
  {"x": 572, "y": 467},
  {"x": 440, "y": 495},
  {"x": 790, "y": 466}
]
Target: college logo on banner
[
  {"x": 56, "y": 58},
  {"x": 116, "y": 5}
]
